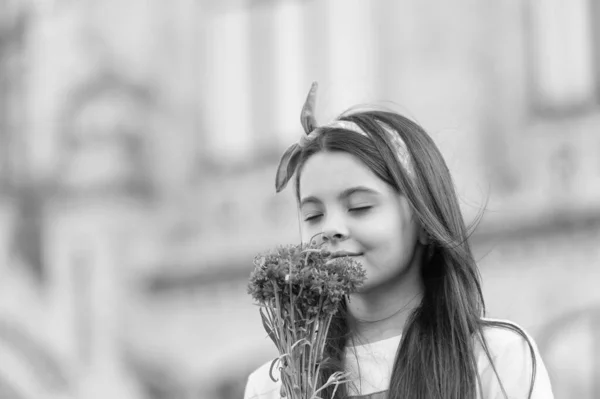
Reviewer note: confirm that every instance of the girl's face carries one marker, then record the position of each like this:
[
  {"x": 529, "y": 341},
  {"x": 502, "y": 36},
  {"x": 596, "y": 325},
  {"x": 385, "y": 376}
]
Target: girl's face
[{"x": 357, "y": 213}]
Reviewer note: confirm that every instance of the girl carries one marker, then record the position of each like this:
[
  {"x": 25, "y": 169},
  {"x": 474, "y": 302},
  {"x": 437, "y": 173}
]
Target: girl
[{"x": 374, "y": 186}]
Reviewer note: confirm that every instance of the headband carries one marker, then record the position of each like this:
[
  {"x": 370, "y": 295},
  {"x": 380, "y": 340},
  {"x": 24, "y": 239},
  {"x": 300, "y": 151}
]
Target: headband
[{"x": 291, "y": 156}]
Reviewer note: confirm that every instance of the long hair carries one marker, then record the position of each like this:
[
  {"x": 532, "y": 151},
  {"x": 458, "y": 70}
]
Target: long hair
[{"x": 436, "y": 358}]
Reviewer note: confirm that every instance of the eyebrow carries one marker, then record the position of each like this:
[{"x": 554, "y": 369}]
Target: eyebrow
[{"x": 343, "y": 195}]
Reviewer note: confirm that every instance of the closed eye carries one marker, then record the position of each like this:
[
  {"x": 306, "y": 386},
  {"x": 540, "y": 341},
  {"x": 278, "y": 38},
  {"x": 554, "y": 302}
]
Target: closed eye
[
  {"x": 360, "y": 209},
  {"x": 312, "y": 218}
]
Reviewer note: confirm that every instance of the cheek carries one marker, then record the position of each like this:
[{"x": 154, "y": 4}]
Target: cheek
[
  {"x": 310, "y": 232},
  {"x": 378, "y": 233},
  {"x": 307, "y": 234},
  {"x": 390, "y": 241}
]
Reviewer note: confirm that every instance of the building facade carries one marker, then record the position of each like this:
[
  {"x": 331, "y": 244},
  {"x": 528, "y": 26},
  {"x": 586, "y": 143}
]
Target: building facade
[{"x": 139, "y": 143}]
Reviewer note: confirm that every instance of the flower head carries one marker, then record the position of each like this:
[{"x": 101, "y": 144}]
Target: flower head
[{"x": 305, "y": 276}]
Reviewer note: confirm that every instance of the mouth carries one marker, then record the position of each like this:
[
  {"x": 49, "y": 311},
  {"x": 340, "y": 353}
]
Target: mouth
[{"x": 340, "y": 254}]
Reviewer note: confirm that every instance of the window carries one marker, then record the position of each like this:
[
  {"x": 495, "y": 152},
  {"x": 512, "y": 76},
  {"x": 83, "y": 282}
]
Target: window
[
  {"x": 290, "y": 59},
  {"x": 254, "y": 64},
  {"x": 227, "y": 96},
  {"x": 261, "y": 58},
  {"x": 563, "y": 55}
]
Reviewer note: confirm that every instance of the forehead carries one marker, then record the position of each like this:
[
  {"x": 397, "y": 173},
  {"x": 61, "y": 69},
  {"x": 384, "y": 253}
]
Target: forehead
[{"x": 326, "y": 174}]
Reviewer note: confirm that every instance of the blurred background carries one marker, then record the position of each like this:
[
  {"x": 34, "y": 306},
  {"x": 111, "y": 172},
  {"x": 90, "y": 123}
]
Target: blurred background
[{"x": 139, "y": 141}]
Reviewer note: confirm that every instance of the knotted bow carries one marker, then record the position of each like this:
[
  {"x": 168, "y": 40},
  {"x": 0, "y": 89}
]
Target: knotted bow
[{"x": 289, "y": 159}]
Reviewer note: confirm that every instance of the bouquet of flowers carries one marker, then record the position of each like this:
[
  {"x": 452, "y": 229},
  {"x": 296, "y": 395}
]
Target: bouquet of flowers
[{"x": 299, "y": 289}]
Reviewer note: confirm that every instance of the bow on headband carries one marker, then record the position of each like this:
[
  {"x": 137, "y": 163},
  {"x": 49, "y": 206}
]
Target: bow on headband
[{"x": 289, "y": 159}]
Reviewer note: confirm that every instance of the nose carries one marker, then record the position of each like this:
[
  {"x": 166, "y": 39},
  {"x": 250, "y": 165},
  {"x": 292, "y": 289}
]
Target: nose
[{"x": 334, "y": 229}]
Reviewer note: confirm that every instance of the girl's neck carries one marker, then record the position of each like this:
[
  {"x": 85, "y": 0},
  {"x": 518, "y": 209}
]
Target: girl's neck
[{"x": 382, "y": 312}]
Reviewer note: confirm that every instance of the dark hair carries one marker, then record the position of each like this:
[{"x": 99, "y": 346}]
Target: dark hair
[{"x": 436, "y": 358}]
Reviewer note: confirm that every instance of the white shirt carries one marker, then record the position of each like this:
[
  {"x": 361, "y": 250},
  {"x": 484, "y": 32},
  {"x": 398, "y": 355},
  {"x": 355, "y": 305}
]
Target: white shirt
[{"x": 370, "y": 368}]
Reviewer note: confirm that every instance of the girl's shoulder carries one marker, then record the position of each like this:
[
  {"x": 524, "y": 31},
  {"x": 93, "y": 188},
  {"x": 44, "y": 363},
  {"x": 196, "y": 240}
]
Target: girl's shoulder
[
  {"x": 508, "y": 359},
  {"x": 260, "y": 385},
  {"x": 508, "y": 368},
  {"x": 501, "y": 335}
]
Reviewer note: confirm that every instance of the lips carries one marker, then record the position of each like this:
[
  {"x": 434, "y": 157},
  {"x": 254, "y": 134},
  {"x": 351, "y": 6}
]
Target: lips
[{"x": 339, "y": 254}]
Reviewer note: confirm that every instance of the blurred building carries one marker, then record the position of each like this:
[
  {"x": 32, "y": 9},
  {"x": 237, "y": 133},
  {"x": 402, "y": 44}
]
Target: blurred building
[{"x": 138, "y": 147}]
